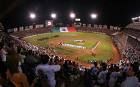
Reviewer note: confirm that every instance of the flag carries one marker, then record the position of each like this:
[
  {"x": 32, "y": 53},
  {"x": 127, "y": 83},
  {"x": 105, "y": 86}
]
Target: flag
[
  {"x": 71, "y": 29},
  {"x": 64, "y": 29},
  {"x": 55, "y": 29}
]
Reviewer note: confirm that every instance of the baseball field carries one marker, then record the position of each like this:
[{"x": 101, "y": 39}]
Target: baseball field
[{"x": 78, "y": 46}]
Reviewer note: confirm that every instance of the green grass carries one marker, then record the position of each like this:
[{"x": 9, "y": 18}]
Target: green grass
[
  {"x": 104, "y": 50},
  {"x": 67, "y": 52},
  {"x": 87, "y": 44}
]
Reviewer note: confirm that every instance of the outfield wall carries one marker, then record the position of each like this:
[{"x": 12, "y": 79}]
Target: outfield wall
[{"x": 38, "y": 26}]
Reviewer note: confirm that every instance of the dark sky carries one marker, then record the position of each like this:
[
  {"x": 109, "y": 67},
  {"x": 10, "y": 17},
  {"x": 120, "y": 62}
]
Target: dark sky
[{"x": 110, "y": 12}]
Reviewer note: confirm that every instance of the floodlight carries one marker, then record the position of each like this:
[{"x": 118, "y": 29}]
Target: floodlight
[
  {"x": 93, "y": 16},
  {"x": 53, "y": 15},
  {"x": 32, "y": 15},
  {"x": 72, "y": 15}
]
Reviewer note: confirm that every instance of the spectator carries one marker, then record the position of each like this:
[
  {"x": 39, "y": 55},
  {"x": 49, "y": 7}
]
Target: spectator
[
  {"x": 48, "y": 70},
  {"x": 114, "y": 76},
  {"x": 131, "y": 80},
  {"x": 94, "y": 73},
  {"x": 3, "y": 53},
  {"x": 102, "y": 75},
  {"x": 41, "y": 80},
  {"x": 17, "y": 78}
]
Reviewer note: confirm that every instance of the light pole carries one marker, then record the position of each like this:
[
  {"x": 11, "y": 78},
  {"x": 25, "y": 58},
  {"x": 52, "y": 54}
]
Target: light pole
[
  {"x": 32, "y": 17},
  {"x": 72, "y": 16},
  {"x": 93, "y": 16},
  {"x": 53, "y": 16}
]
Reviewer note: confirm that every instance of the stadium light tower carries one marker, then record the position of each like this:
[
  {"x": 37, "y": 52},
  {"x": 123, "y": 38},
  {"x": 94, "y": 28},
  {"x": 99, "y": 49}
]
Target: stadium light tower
[
  {"x": 93, "y": 16},
  {"x": 32, "y": 15},
  {"x": 53, "y": 15},
  {"x": 72, "y": 15}
]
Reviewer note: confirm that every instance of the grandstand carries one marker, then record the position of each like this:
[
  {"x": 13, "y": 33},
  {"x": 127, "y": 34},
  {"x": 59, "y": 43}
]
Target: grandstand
[{"x": 72, "y": 73}]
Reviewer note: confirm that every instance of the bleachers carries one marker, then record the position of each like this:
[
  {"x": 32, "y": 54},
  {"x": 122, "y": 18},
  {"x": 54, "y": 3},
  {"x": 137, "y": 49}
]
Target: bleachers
[
  {"x": 31, "y": 32},
  {"x": 133, "y": 32}
]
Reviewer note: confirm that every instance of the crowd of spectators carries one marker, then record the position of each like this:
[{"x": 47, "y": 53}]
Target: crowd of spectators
[
  {"x": 25, "y": 65},
  {"x": 92, "y": 29},
  {"x": 31, "y": 32},
  {"x": 79, "y": 29},
  {"x": 135, "y": 25},
  {"x": 132, "y": 51},
  {"x": 134, "y": 43},
  {"x": 133, "y": 32}
]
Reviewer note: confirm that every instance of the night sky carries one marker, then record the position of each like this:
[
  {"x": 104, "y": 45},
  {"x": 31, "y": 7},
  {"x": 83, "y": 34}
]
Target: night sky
[{"x": 111, "y": 12}]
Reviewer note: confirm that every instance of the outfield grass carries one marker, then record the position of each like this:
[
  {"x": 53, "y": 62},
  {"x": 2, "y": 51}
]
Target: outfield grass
[{"x": 103, "y": 50}]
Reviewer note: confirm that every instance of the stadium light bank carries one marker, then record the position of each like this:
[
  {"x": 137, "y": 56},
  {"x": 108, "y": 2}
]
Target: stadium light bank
[
  {"x": 53, "y": 15},
  {"x": 72, "y": 15},
  {"x": 32, "y": 15},
  {"x": 93, "y": 15}
]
